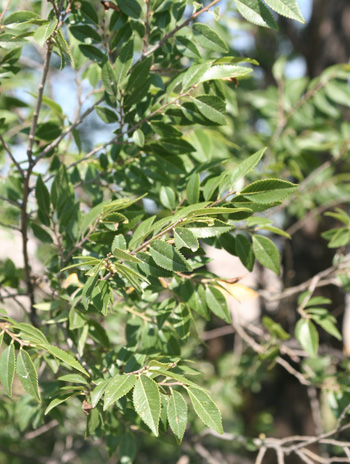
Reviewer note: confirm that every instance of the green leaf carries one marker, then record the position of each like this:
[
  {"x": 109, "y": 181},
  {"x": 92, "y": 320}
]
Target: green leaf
[
  {"x": 43, "y": 199},
  {"x": 256, "y": 12},
  {"x": 340, "y": 215},
  {"x": 245, "y": 251},
  {"x": 91, "y": 52},
  {"x": 141, "y": 232},
  {"x": 7, "y": 368},
  {"x": 326, "y": 323},
  {"x": 88, "y": 289},
  {"x": 208, "y": 38},
  {"x": 275, "y": 230},
  {"x": 215, "y": 230},
  {"x": 243, "y": 169},
  {"x": 131, "y": 8},
  {"x": 62, "y": 43},
  {"x": 83, "y": 32},
  {"x": 27, "y": 374},
  {"x": 98, "y": 391},
  {"x": 118, "y": 387},
  {"x": 167, "y": 197},
  {"x": 177, "y": 415},
  {"x": 268, "y": 190},
  {"x": 48, "y": 131},
  {"x": 224, "y": 71},
  {"x": 212, "y": 107},
  {"x": 138, "y": 75},
  {"x": 40, "y": 233},
  {"x": 172, "y": 375},
  {"x": 19, "y": 17},
  {"x": 44, "y": 32},
  {"x": 275, "y": 329},
  {"x": 74, "y": 378},
  {"x": 167, "y": 257},
  {"x": 266, "y": 253},
  {"x": 32, "y": 334},
  {"x": 65, "y": 357},
  {"x": 89, "y": 11},
  {"x": 187, "y": 47},
  {"x": 107, "y": 115},
  {"x": 185, "y": 238},
  {"x": 340, "y": 238},
  {"x": 109, "y": 79},
  {"x": 194, "y": 74},
  {"x": 138, "y": 138},
  {"x": 121, "y": 254},
  {"x": 146, "y": 400},
  {"x": 124, "y": 61},
  {"x": 150, "y": 268},
  {"x": 192, "y": 189},
  {"x": 55, "y": 402},
  {"x": 217, "y": 303},
  {"x": 182, "y": 321},
  {"x": 307, "y": 336},
  {"x": 206, "y": 409},
  {"x": 127, "y": 449},
  {"x": 288, "y": 8}
]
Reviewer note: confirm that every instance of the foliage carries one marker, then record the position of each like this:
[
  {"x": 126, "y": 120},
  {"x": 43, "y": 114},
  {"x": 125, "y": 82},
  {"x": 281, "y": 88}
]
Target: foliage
[{"x": 119, "y": 307}]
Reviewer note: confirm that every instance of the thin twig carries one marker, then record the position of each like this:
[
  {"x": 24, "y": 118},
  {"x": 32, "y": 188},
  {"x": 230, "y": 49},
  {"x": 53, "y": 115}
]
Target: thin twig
[
  {"x": 43, "y": 429},
  {"x": 71, "y": 345},
  {"x": 177, "y": 28},
  {"x": 15, "y": 162},
  {"x": 4, "y": 10},
  {"x": 12, "y": 202},
  {"x": 67, "y": 131},
  {"x": 9, "y": 226},
  {"x": 261, "y": 454},
  {"x": 39, "y": 103}
]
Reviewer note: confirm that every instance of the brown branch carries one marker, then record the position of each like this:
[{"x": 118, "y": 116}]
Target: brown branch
[
  {"x": 325, "y": 277},
  {"x": 308, "y": 95},
  {"x": 24, "y": 232},
  {"x": 4, "y": 327},
  {"x": 43, "y": 429},
  {"x": 38, "y": 104},
  {"x": 4, "y": 11}
]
